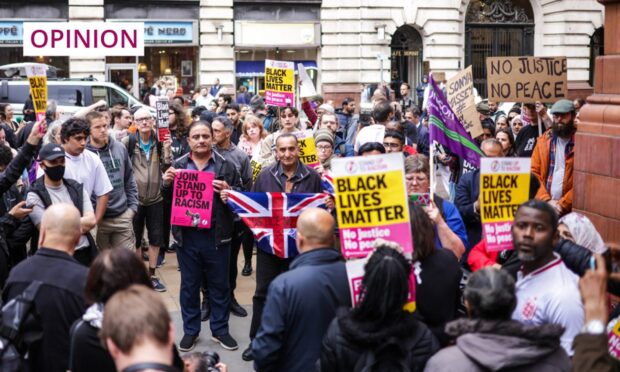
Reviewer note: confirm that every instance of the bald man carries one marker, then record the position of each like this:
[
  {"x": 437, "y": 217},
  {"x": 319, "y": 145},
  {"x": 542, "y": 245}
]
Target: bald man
[
  {"x": 302, "y": 302},
  {"x": 59, "y": 301}
]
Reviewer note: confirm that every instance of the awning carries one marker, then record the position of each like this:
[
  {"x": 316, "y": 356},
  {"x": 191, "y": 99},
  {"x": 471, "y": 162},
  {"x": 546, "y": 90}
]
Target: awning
[{"x": 257, "y": 68}]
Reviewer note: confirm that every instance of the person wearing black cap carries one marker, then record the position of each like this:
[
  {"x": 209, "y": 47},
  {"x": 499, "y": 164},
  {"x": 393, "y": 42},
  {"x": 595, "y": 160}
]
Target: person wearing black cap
[
  {"x": 553, "y": 156},
  {"x": 8, "y": 177},
  {"x": 53, "y": 188}
]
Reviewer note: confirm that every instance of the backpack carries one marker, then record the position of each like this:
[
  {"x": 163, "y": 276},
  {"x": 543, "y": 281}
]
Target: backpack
[
  {"x": 390, "y": 356},
  {"x": 131, "y": 146},
  {"x": 19, "y": 328}
]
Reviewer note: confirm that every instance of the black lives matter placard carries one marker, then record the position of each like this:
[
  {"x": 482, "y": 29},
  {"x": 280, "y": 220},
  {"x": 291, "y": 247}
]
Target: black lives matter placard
[{"x": 526, "y": 79}]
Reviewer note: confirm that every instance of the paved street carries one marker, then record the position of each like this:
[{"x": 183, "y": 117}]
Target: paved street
[{"x": 239, "y": 327}]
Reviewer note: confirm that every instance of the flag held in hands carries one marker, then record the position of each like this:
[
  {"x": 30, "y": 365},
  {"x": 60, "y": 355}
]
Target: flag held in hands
[
  {"x": 272, "y": 217},
  {"x": 445, "y": 128}
]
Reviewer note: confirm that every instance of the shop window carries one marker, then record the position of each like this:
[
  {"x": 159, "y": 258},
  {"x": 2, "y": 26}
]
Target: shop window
[
  {"x": 406, "y": 58},
  {"x": 496, "y": 28}
]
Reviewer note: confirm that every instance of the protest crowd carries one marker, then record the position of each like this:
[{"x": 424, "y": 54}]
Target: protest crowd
[{"x": 387, "y": 235}]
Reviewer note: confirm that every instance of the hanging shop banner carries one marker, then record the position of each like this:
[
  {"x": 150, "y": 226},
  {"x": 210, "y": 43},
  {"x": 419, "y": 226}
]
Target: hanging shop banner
[
  {"x": 460, "y": 91},
  {"x": 371, "y": 203},
  {"x": 37, "y": 79},
  {"x": 77, "y": 39},
  {"x": 192, "y": 199},
  {"x": 526, "y": 79},
  {"x": 161, "y": 110},
  {"x": 279, "y": 83},
  {"x": 504, "y": 186}
]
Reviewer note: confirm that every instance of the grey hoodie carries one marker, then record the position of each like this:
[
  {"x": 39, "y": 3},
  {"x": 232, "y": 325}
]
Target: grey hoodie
[
  {"x": 117, "y": 164},
  {"x": 501, "y": 345}
]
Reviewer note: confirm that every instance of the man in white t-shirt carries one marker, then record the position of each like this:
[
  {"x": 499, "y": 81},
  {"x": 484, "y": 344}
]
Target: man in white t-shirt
[
  {"x": 84, "y": 166},
  {"x": 382, "y": 113},
  {"x": 547, "y": 291}
]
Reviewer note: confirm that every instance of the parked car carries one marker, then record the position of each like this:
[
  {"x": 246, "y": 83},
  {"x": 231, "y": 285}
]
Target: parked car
[{"x": 70, "y": 94}]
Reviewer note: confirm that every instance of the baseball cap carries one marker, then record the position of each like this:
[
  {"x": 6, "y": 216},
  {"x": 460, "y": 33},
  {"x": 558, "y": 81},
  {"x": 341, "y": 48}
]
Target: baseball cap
[
  {"x": 562, "y": 107},
  {"x": 51, "y": 151}
]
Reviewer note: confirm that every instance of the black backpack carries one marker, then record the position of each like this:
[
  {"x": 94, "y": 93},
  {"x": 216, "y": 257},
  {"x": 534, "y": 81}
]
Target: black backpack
[{"x": 19, "y": 328}]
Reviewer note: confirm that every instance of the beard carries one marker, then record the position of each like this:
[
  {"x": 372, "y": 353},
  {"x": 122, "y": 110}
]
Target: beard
[
  {"x": 564, "y": 130},
  {"x": 526, "y": 257}
]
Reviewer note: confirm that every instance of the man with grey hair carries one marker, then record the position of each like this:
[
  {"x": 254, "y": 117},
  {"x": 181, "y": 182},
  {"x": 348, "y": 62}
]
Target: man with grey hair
[
  {"x": 149, "y": 159},
  {"x": 222, "y": 132},
  {"x": 467, "y": 198}
]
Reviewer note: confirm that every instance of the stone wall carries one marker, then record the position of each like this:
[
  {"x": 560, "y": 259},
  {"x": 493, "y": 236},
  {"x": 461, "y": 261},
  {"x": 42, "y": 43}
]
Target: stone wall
[
  {"x": 217, "y": 57},
  {"x": 86, "y": 10}
]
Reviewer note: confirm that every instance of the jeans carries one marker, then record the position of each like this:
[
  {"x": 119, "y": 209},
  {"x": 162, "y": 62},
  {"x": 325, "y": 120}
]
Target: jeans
[
  {"x": 199, "y": 254},
  {"x": 268, "y": 267}
]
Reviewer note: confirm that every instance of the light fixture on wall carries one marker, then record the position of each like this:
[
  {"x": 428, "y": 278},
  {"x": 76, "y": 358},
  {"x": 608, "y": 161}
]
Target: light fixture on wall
[
  {"x": 142, "y": 67},
  {"x": 381, "y": 31},
  {"x": 168, "y": 71},
  {"x": 220, "y": 31}
]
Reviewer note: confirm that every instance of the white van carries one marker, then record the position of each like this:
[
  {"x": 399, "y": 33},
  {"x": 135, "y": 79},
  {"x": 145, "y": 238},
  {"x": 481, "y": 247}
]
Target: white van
[{"x": 71, "y": 95}]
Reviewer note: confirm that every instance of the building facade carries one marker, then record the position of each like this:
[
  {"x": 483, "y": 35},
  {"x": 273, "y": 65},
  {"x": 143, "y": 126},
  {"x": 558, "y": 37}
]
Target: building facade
[{"x": 344, "y": 44}]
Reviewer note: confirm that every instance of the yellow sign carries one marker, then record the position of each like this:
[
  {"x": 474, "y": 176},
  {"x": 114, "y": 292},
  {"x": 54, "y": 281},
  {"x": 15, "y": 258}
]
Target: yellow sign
[
  {"x": 37, "y": 79},
  {"x": 279, "y": 83},
  {"x": 504, "y": 186},
  {"x": 256, "y": 168},
  {"x": 372, "y": 199},
  {"x": 307, "y": 149},
  {"x": 371, "y": 203}
]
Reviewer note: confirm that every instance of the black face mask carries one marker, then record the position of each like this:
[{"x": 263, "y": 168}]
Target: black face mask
[{"x": 55, "y": 173}]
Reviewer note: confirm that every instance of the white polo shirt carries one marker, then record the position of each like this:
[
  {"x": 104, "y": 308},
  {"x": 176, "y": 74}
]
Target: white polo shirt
[{"x": 551, "y": 295}]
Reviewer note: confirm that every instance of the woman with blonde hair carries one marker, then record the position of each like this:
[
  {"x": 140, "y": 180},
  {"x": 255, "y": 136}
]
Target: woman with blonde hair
[{"x": 252, "y": 135}]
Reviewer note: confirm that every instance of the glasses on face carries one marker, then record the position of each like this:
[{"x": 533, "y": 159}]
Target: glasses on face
[
  {"x": 324, "y": 148},
  {"x": 143, "y": 120}
]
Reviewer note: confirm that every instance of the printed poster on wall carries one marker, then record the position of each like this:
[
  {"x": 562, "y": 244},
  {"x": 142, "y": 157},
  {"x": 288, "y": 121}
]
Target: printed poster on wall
[
  {"x": 371, "y": 203},
  {"x": 279, "y": 83},
  {"x": 192, "y": 198},
  {"x": 504, "y": 186}
]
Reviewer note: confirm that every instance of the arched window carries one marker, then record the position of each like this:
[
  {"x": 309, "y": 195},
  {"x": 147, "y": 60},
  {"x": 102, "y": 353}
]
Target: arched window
[
  {"x": 406, "y": 58},
  {"x": 495, "y": 28},
  {"x": 597, "y": 48}
]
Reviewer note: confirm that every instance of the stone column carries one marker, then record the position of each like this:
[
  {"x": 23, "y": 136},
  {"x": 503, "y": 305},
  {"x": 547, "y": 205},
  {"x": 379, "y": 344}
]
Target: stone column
[
  {"x": 86, "y": 10},
  {"x": 597, "y": 148},
  {"x": 217, "y": 57}
]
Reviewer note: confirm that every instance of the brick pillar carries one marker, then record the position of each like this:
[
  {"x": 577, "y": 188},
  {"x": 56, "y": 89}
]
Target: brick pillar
[
  {"x": 84, "y": 11},
  {"x": 597, "y": 147}
]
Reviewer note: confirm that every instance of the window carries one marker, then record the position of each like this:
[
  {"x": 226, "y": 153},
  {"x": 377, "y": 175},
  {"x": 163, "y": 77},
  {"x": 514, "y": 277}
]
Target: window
[
  {"x": 496, "y": 28},
  {"x": 66, "y": 95}
]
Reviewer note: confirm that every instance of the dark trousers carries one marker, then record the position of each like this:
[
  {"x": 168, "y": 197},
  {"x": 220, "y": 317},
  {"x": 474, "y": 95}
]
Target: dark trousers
[
  {"x": 268, "y": 267},
  {"x": 165, "y": 238},
  {"x": 199, "y": 254},
  {"x": 242, "y": 236}
]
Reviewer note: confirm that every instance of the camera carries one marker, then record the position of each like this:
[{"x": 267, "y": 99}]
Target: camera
[{"x": 212, "y": 359}]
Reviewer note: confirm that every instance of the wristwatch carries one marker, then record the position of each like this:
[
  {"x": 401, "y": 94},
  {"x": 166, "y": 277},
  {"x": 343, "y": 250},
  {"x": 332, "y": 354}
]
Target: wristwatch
[{"x": 594, "y": 327}]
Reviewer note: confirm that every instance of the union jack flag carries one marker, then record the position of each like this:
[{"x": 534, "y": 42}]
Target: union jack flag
[
  {"x": 272, "y": 217},
  {"x": 327, "y": 182}
]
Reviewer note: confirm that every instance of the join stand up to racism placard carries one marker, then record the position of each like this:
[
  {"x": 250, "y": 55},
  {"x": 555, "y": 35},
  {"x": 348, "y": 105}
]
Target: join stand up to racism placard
[
  {"x": 192, "y": 199},
  {"x": 371, "y": 203}
]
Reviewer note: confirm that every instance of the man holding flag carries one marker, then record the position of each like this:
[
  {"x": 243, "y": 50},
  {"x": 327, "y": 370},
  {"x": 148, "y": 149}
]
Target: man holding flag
[{"x": 286, "y": 175}]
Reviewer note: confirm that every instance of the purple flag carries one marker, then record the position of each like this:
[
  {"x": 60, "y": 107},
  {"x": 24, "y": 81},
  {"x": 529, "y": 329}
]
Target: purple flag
[{"x": 445, "y": 128}]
